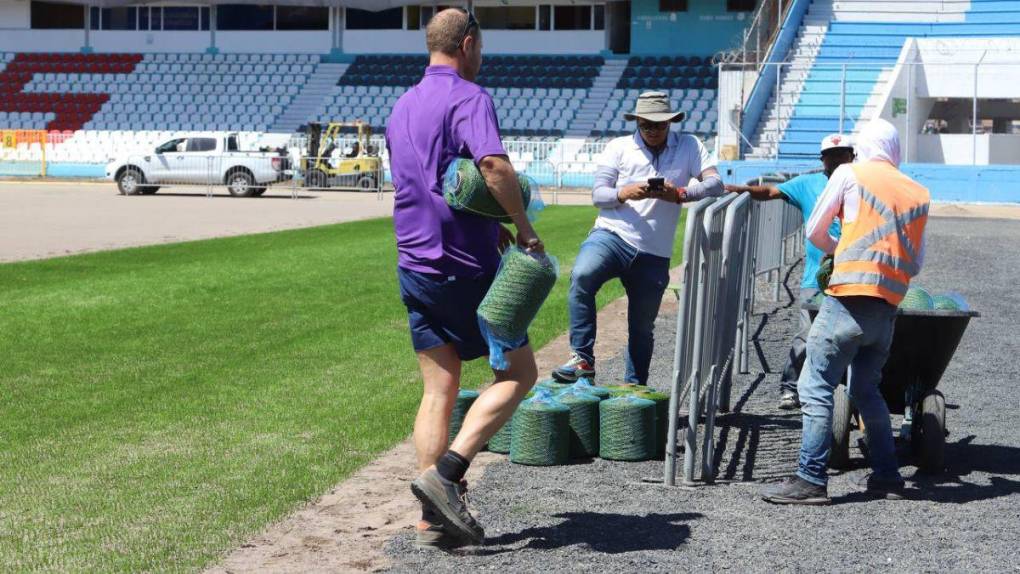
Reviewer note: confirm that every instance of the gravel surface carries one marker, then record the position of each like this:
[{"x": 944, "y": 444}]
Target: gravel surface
[{"x": 599, "y": 516}]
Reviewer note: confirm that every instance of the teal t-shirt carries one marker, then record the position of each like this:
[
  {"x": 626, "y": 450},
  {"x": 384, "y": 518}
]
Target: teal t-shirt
[{"x": 803, "y": 192}]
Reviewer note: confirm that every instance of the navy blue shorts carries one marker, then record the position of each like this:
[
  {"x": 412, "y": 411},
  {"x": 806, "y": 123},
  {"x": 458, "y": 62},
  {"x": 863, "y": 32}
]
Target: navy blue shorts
[{"x": 442, "y": 310}]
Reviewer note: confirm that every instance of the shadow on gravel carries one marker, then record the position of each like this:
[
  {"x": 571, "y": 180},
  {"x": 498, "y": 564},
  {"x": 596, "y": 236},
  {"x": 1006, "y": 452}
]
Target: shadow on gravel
[{"x": 600, "y": 532}]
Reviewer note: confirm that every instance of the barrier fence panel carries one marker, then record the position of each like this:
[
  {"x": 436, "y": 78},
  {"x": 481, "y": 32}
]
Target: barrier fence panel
[
  {"x": 734, "y": 257},
  {"x": 683, "y": 356}
]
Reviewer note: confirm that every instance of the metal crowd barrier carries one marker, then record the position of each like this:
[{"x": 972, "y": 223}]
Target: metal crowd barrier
[{"x": 729, "y": 241}]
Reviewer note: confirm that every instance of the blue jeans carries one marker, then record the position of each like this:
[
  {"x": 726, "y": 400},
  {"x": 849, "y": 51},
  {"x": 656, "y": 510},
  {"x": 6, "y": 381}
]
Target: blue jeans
[
  {"x": 604, "y": 256},
  {"x": 854, "y": 332}
]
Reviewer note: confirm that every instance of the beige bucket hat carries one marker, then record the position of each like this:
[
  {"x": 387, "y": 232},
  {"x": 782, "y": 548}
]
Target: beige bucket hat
[{"x": 654, "y": 107}]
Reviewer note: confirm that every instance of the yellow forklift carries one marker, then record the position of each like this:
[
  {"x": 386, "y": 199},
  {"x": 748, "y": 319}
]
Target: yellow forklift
[{"x": 358, "y": 167}]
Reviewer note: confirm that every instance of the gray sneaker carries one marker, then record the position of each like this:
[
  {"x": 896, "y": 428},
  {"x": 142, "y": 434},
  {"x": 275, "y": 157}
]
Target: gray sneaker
[
  {"x": 789, "y": 401},
  {"x": 448, "y": 501},
  {"x": 435, "y": 537},
  {"x": 796, "y": 490},
  {"x": 881, "y": 487}
]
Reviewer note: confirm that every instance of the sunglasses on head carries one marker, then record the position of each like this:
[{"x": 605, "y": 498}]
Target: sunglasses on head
[
  {"x": 652, "y": 126},
  {"x": 472, "y": 22}
]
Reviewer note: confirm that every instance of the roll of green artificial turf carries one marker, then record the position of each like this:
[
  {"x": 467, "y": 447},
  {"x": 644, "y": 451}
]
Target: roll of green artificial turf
[
  {"x": 584, "y": 385},
  {"x": 541, "y": 432},
  {"x": 917, "y": 299},
  {"x": 661, "y": 401},
  {"x": 553, "y": 386},
  {"x": 627, "y": 429},
  {"x": 946, "y": 303},
  {"x": 584, "y": 422},
  {"x": 623, "y": 390},
  {"x": 521, "y": 286},
  {"x": 464, "y": 189},
  {"x": 465, "y": 398}
]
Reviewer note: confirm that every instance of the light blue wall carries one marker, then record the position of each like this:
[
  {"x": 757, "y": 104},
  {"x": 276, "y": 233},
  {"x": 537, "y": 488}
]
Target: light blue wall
[{"x": 703, "y": 30}]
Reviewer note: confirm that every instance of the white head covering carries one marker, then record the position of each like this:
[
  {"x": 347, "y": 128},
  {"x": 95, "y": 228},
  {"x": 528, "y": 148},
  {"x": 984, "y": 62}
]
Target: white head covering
[{"x": 879, "y": 141}]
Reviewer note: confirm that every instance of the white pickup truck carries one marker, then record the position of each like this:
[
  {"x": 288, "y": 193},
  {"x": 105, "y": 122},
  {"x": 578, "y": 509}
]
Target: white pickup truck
[{"x": 207, "y": 159}]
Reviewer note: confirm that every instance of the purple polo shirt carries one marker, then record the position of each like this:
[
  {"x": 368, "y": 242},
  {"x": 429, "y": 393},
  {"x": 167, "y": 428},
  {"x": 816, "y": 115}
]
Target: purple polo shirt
[{"x": 442, "y": 118}]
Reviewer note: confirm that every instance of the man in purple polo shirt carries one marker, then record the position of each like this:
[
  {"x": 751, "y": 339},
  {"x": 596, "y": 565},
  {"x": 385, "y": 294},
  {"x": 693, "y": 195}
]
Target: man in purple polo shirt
[{"x": 446, "y": 261}]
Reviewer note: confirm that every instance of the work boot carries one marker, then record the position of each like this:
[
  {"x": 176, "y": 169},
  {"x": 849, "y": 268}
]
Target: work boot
[
  {"x": 574, "y": 369},
  {"x": 434, "y": 535},
  {"x": 796, "y": 490},
  {"x": 789, "y": 401},
  {"x": 448, "y": 500},
  {"x": 882, "y": 487}
]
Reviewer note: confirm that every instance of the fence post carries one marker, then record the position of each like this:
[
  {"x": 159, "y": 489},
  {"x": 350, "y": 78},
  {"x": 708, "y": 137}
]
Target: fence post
[
  {"x": 842, "y": 99},
  {"x": 779, "y": 108},
  {"x": 210, "y": 179}
]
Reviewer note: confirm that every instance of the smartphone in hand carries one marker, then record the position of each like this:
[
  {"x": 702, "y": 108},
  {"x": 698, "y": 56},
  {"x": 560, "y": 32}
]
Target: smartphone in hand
[{"x": 656, "y": 184}]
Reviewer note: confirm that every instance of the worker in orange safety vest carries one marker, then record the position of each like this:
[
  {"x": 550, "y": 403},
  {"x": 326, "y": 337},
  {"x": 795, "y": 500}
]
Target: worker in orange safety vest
[{"x": 883, "y": 215}]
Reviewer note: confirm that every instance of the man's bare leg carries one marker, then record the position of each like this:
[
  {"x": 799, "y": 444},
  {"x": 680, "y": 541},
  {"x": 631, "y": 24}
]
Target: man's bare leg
[
  {"x": 495, "y": 406},
  {"x": 440, "y": 371}
]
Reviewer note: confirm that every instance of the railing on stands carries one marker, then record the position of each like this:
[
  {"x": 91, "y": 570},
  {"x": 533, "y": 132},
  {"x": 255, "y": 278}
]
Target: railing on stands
[
  {"x": 729, "y": 241},
  {"x": 758, "y": 36},
  {"x": 812, "y": 99}
]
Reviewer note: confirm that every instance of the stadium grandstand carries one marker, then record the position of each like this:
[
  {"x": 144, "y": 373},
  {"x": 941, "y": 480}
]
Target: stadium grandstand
[{"x": 761, "y": 81}]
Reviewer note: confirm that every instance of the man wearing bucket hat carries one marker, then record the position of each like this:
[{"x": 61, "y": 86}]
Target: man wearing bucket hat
[
  {"x": 803, "y": 192},
  {"x": 640, "y": 183}
]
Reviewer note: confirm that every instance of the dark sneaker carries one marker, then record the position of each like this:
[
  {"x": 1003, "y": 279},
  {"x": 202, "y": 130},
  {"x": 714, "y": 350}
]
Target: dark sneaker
[
  {"x": 574, "y": 369},
  {"x": 881, "y": 487},
  {"x": 448, "y": 500},
  {"x": 435, "y": 537},
  {"x": 789, "y": 401},
  {"x": 796, "y": 490}
]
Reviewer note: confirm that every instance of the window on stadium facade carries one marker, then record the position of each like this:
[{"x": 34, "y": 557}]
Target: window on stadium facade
[
  {"x": 572, "y": 18},
  {"x": 125, "y": 18},
  {"x": 544, "y": 17},
  {"x": 244, "y": 17},
  {"x": 600, "y": 16},
  {"x": 672, "y": 5},
  {"x": 180, "y": 18},
  {"x": 740, "y": 5},
  {"x": 56, "y": 16},
  {"x": 302, "y": 18},
  {"x": 506, "y": 17},
  {"x": 392, "y": 19}
]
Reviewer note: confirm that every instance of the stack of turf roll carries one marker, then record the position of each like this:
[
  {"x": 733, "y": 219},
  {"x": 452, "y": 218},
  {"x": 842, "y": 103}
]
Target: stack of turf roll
[
  {"x": 465, "y": 398},
  {"x": 584, "y": 422},
  {"x": 541, "y": 432},
  {"x": 627, "y": 429},
  {"x": 661, "y": 401},
  {"x": 584, "y": 385},
  {"x": 521, "y": 286},
  {"x": 464, "y": 189},
  {"x": 950, "y": 302}
]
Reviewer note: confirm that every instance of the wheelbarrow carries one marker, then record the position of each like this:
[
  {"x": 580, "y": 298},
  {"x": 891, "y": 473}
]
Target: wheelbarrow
[{"x": 923, "y": 345}]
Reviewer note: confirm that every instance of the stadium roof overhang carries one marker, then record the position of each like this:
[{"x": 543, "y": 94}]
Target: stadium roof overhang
[{"x": 374, "y": 5}]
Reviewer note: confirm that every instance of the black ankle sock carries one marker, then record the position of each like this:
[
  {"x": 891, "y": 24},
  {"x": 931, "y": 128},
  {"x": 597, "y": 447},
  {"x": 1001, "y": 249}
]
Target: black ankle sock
[{"x": 452, "y": 466}]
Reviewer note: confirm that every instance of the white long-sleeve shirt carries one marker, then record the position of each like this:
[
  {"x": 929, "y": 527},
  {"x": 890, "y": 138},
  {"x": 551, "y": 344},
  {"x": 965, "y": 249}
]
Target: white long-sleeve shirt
[{"x": 844, "y": 192}]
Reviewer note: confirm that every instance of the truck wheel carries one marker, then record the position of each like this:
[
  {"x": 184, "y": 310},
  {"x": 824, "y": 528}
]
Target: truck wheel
[
  {"x": 366, "y": 183},
  {"x": 130, "y": 181},
  {"x": 316, "y": 179},
  {"x": 933, "y": 433},
  {"x": 240, "y": 183},
  {"x": 839, "y": 455}
]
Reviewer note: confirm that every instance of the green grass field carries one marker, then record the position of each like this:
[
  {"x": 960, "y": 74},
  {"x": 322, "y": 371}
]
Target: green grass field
[{"x": 161, "y": 404}]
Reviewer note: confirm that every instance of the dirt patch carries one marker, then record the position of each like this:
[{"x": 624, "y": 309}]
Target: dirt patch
[{"x": 345, "y": 529}]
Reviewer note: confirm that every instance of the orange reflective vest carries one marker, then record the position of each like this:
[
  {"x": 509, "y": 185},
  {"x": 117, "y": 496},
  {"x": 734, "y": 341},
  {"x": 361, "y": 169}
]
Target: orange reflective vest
[{"x": 877, "y": 253}]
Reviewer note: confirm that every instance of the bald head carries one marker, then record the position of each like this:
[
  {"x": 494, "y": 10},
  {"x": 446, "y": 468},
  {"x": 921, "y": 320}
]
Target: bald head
[{"x": 445, "y": 31}]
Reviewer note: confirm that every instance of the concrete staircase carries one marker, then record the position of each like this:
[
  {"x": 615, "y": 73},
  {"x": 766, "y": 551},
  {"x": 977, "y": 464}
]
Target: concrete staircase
[
  {"x": 309, "y": 101},
  {"x": 791, "y": 81},
  {"x": 584, "y": 121}
]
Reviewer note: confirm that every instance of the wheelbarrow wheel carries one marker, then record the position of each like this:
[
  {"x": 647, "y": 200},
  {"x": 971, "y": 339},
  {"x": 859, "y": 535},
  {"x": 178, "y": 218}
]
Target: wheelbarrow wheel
[
  {"x": 839, "y": 455},
  {"x": 933, "y": 433}
]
